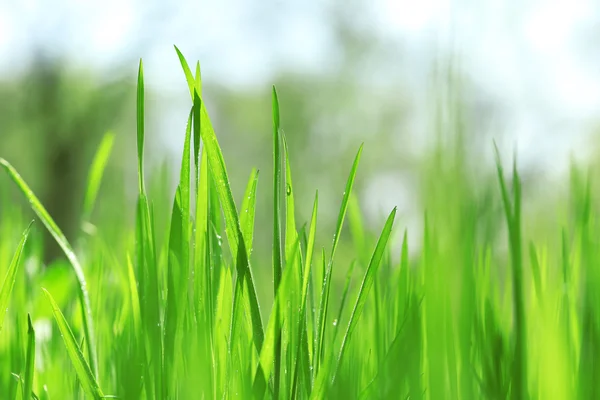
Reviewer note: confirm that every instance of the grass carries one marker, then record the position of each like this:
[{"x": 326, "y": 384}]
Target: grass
[{"x": 459, "y": 311}]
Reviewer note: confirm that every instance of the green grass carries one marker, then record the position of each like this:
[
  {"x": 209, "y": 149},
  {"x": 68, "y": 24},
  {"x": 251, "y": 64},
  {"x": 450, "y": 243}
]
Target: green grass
[{"x": 459, "y": 310}]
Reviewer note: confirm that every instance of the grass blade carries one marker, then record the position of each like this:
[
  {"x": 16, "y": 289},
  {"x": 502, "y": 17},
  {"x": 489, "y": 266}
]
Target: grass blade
[
  {"x": 60, "y": 238},
  {"x": 248, "y": 211},
  {"x": 146, "y": 259},
  {"x": 189, "y": 77},
  {"x": 135, "y": 299},
  {"x": 366, "y": 284},
  {"x": 96, "y": 173},
  {"x": 277, "y": 236},
  {"x": 320, "y": 387},
  {"x": 11, "y": 276},
  {"x": 29, "y": 361},
  {"x": 140, "y": 127},
  {"x": 324, "y": 303},
  {"x": 233, "y": 230},
  {"x": 82, "y": 368},
  {"x": 338, "y": 318}
]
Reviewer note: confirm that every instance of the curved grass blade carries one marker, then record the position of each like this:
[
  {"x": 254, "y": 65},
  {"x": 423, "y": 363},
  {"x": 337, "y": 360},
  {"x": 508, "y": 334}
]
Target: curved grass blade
[
  {"x": 233, "y": 229},
  {"x": 189, "y": 76},
  {"x": 248, "y": 211},
  {"x": 11, "y": 276},
  {"x": 324, "y": 303},
  {"x": 60, "y": 238},
  {"x": 82, "y": 368},
  {"x": 366, "y": 284},
  {"x": 320, "y": 387},
  {"x": 338, "y": 319},
  {"x": 96, "y": 173},
  {"x": 30, "y": 360}
]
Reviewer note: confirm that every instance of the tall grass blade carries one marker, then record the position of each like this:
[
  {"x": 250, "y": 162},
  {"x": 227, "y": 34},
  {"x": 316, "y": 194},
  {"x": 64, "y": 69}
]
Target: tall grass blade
[
  {"x": 366, "y": 285},
  {"x": 82, "y": 368},
  {"x": 233, "y": 229},
  {"x": 277, "y": 236},
  {"x": 11, "y": 275},
  {"x": 29, "y": 360},
  {"x": 140, "y": 127},
  {"x": 189, "y": 76},
  {"x": 96, "y": 173},
  {"x": 235, "y": 237},
  {"x": 146, "y": 259},
  {"x": 248, "y": 211},
  {"x": 324, "y": 302}
]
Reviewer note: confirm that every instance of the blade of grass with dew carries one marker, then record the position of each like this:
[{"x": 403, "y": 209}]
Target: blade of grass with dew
[
  {"x": 60, "y": 238},
  {"x": 366, "y": 285},
  {"x": 196, "y": 111},
  {"x": 248, "y": 210},
  {"x": 277, "y": 237},
  {"x": 96, "y": 173},
  {"x": 327, "y": 373},
  {"x": 233, "y": 229},
  {"x": 82, "y": 368},
  {"x": 11, "y": 276},
  {"x": 202, "y": 271},
  {"x": 294, "y": 261},
  {"x": 29, "y": 361},
  {"x": 338, "y": 319},
  {"x": 324, "y": 303}
]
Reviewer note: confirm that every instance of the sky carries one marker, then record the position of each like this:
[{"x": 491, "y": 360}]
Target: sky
[{"x": 537, "y": 59}]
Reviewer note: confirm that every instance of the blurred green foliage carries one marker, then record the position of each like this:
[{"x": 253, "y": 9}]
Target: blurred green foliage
[{"x": 52, "y": 119}]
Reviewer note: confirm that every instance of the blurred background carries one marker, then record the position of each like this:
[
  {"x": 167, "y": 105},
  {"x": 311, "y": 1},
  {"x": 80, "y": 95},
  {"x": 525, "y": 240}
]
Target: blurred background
[{"x": 395, "y": 74}]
